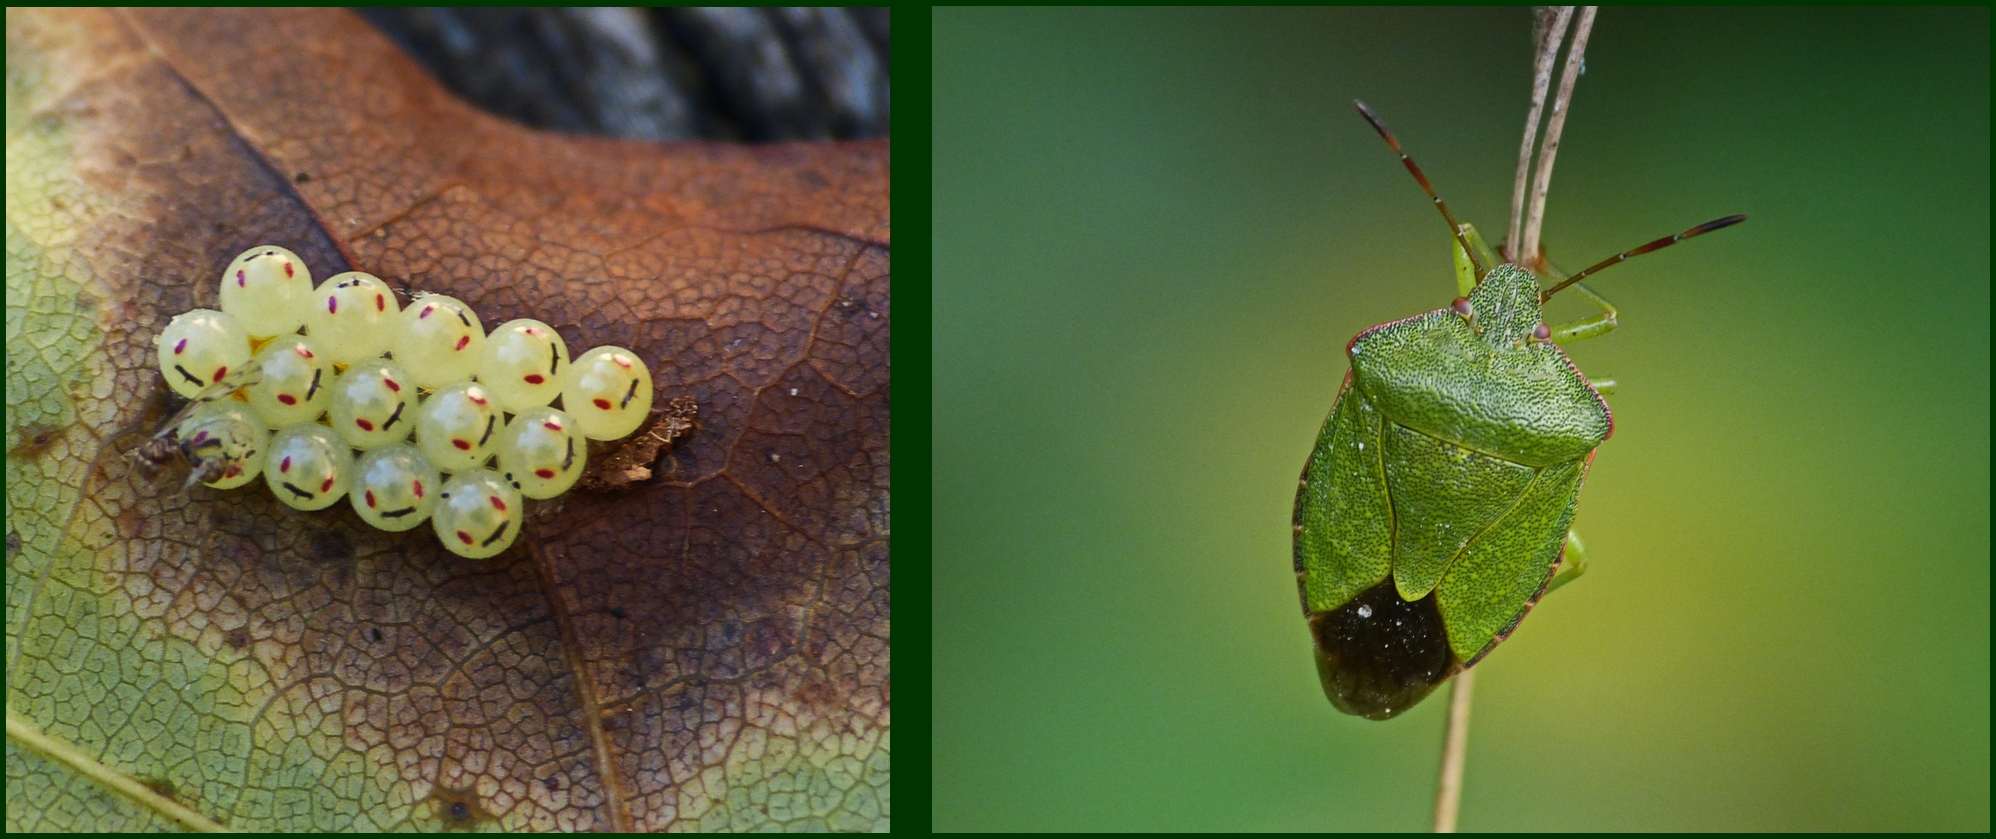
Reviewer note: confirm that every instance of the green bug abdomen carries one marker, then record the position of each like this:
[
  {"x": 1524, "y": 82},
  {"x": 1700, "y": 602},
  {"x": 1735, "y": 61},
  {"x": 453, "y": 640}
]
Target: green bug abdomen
[{"x": 1415, "y": 555}]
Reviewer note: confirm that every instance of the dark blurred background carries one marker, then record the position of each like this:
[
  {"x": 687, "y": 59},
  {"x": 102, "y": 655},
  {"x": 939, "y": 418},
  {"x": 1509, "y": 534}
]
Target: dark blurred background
[{"x": 749, "y": 75}]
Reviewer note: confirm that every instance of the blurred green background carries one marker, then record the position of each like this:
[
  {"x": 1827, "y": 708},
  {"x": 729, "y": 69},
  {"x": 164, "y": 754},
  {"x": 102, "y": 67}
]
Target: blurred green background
[{"x": 1155, "y": 230}]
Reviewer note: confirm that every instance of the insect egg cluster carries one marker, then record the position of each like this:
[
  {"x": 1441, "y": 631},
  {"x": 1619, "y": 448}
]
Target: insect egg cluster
[{"x": 339, "y": 391}]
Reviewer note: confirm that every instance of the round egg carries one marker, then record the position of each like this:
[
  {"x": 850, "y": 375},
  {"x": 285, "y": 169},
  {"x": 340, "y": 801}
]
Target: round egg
[
  {"x": 523, "y": 363},
  {"x": 457, "y": 426},
  {"x": 353, "y": 316},
  {"x": 394, "y": 487},
  {"x": 608, "y": 392},
  {"x": 439, "y": 339},
  {"x": 478, "y": 514},
  {"x": 308, "y": 467},
  {"x": 374, "y": 404},
  {"x": 225, "y": 441},
  {"x": 265, "y": 289},
  {"x": 198, "y": 348},
  {"x": 296, "y": 383},
  {"x": 543, "y": 451}
]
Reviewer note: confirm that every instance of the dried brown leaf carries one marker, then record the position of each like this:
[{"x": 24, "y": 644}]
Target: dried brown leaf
[{"x": 705, "y": 650}]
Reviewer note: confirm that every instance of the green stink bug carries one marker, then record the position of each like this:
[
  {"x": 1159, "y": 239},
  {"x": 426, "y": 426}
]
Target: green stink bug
[{"x": 1434, "y": 511}]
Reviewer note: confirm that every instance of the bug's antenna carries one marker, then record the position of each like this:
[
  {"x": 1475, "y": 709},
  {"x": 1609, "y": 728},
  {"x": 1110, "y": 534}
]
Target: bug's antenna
[
  {"x": 1664, "y": 242},
  {"x": 1453, "y": 228}
]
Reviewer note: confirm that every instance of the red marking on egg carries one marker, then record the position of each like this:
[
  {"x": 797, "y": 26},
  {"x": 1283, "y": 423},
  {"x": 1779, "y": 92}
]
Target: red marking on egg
[
  {"x": 364, "y": 424},
  {"x": 380, "y": 305},
  {"x": 302, "y": 352},
  {"x": 287, "y": 268},
  {"x": 602, "y": 403},
  {"x": 233, "y": 471},
  {"x": 462, "y": 445},
  {"x": 180, "y": 346},
  {"x": 546, "y": 474},
  {"x": 497, "y": 503},
  {"x": 370, "y": 499},
  {"x": 465, "y": 536},
  {"x": 392, "y": 385},
  {"x": 476, "y": 398},
  {"x": 534, "y": 378},
  {"x": 285, "y": 466},
  {"x": 426, "y": 311},
  {"x": 327, "y": 485},
  {"x": 220, "y": 372},
  {"x": 461, "y": 341},
  {"x": 419, "y": 488},
  {"x": 332, "y": 305},
  {"x": 287, "y": 399},
  {"x": 552, "y": 425},
  {"x": 239, "y": 278},
  {"x": 621, "y": 361}
]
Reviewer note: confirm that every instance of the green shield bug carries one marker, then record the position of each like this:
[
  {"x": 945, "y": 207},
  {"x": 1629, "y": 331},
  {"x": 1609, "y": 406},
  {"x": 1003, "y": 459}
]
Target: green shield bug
[{"x": 1435, "y": 509}]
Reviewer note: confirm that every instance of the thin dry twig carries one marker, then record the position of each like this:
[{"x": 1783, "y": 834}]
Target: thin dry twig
[
  {"x": 1551, "y": 23},
  {"x": 1455, "y": 743},
  {"x": 1455, "y": 749},
  {"x": 1530, "y": 255}
]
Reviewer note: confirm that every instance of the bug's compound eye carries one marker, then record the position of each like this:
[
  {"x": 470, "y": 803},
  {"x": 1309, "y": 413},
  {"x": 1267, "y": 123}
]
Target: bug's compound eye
[
  {"x": 352, "y": 316},
  {"x": 373, "y": 404},
  {"x": 265, "y": 289},
  {"x": 224, "y": 440},
  {"x": 394, "y": 487},
  {"x": 458, "y": 426},
  {"x": 199, "y": 348},
  {"x": 608, "y": 392},
  {"x": 543, "y": 450},
  {"x": 1541, "y": 333},
  {"x": 297, "y": 382},
  {"x": 523, "y": 363},
  {"x": 308, "y": 466},
  {"x": 440, "y": 339},
  {"x": 478, "y": 514},
  {"x": 1461, "y": 307}
]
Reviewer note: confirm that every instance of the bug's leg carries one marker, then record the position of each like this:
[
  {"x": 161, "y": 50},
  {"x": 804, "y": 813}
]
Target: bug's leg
[
  {"x": 1605, "y": 387},
  {"x": 1465, "y": 268},
  {"x": 1584, "y": 328},
  {"x": 1572, "y": 564},
  {"x": 1465, "y": 271}
]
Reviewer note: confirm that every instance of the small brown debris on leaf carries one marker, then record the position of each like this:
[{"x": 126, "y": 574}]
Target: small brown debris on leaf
[{"x": 630, "y": 461}]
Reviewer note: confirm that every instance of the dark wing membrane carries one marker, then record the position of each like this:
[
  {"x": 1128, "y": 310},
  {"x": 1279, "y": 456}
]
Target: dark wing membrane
[{"x": 1378, "y": 655}]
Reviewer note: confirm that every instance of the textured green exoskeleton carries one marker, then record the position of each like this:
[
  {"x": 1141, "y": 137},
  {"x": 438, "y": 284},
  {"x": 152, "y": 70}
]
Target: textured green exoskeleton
[{"x": 1435, "y": 508}]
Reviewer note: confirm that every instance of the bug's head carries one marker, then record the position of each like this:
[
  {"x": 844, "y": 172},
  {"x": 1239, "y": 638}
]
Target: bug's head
[{"x": 1504, "y": 308}]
